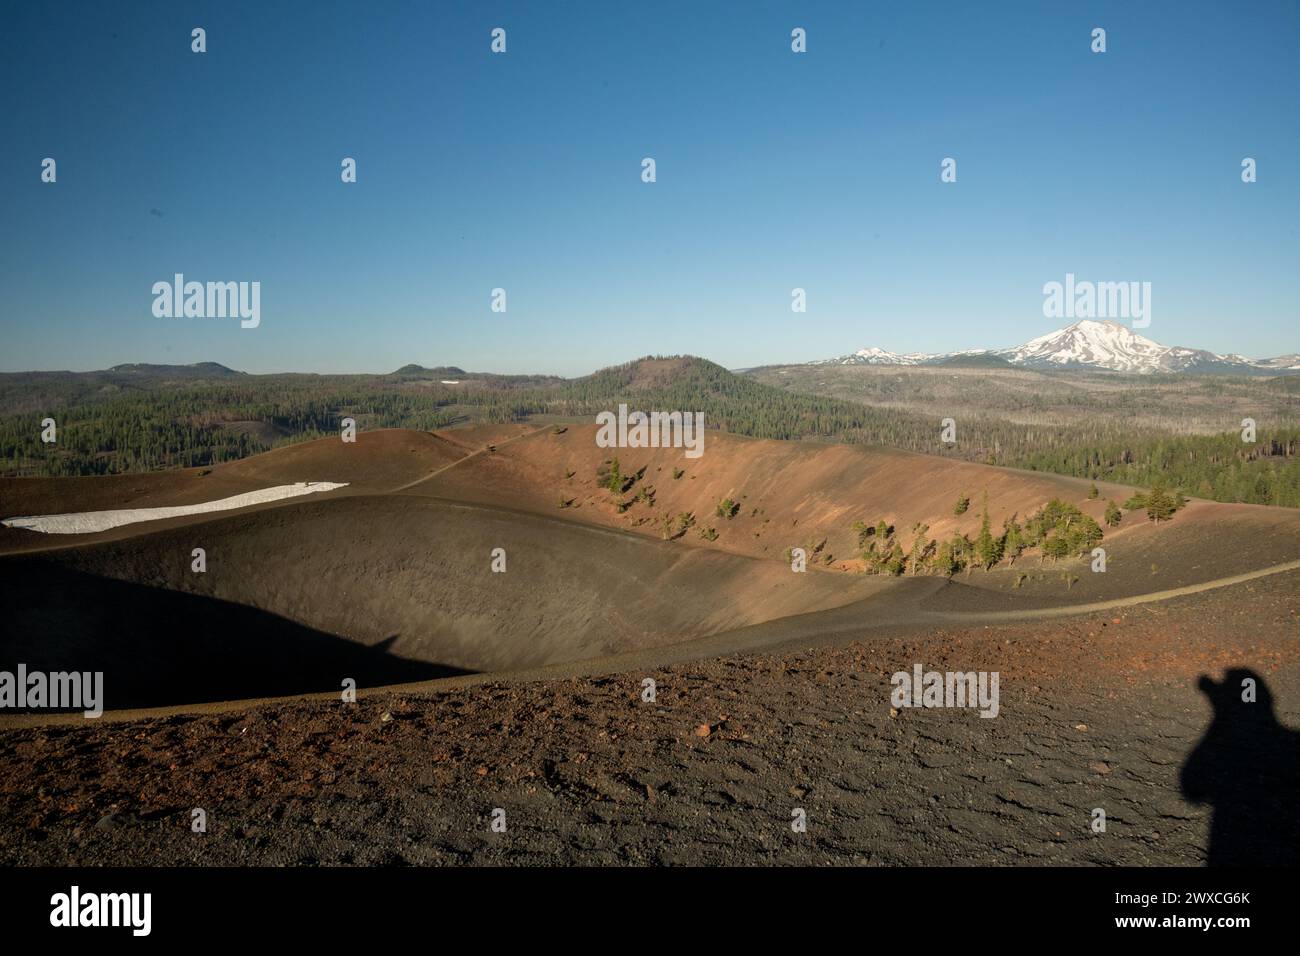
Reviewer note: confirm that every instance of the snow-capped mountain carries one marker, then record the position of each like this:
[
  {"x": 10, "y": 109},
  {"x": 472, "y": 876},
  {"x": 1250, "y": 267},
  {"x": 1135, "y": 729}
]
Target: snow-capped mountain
[
  {"x": 874, "y": 356},
  {"x": 1098, "y": 344},
  {"x": 1090, "y": 344},
  {"x": 1286, "y": 363}
]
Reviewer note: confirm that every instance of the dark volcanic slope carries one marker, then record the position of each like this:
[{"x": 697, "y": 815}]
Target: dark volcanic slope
[{"x": 294, "y": 596}]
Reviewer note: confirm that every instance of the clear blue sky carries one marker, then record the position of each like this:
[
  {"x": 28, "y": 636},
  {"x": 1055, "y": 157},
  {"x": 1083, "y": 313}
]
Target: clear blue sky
[{"x": 522, "y": 171}]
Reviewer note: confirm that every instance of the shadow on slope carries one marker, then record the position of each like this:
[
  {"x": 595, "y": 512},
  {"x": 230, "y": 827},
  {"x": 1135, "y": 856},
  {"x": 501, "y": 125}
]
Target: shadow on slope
[
  {"x": 296, "y": 593},
  {"x": 1247, "y": 767},
  {"x": 157, "y": 647}
]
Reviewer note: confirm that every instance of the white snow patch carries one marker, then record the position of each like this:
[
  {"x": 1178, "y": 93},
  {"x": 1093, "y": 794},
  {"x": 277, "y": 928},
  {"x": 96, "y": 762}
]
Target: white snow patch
[{"x": 88, "y": 522}]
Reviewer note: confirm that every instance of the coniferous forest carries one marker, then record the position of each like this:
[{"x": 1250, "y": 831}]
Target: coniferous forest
[{"x": 141, "y": 418}]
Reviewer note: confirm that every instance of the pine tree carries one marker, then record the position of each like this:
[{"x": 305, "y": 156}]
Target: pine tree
[
  {"x": 916, "y": 557},
  {"x": 986, "y": 546},
  {"x": 614, "y": 482},
  {"x": 944, "y": 561},
  {"x": 1160, "y": 504},
  {"x": 1056, "y": 548},
  {"x": 1013, "y": 540}
]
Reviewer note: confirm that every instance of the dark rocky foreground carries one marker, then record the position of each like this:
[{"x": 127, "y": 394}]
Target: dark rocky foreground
[{"x": 1100, "y": 711}]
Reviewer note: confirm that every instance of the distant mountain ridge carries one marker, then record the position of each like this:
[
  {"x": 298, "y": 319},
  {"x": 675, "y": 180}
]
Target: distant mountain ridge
[
  {"x": 1088, "y": 344},
  {"x": 442, "y": 371},
  {"x": 196, "y": 370}
]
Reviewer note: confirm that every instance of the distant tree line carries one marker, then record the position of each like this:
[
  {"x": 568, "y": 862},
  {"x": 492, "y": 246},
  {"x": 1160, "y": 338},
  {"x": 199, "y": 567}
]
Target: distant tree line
[{"x": 114, "y": 425}]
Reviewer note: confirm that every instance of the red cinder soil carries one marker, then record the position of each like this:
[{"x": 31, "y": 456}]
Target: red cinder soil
[{"x": 1099, "y": 711}]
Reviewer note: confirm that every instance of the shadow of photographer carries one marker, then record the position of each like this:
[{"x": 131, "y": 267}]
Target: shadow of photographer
[{"x": 1247, "y": 768}]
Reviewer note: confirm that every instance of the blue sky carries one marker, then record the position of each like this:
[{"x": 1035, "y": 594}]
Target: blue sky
[{"x": 522, "y": 171}]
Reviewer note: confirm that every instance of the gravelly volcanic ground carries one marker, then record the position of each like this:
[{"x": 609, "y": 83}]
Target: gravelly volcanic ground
[{"x": 1096, "y": 711}]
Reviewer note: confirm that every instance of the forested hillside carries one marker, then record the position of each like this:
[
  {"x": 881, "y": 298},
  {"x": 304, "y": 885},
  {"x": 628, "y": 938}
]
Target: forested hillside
[{"x": 144, "y": 418}]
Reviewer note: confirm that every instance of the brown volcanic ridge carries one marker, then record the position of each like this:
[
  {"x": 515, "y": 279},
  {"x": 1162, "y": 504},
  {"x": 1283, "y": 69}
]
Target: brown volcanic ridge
[{"x": 389, "y": 580}]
